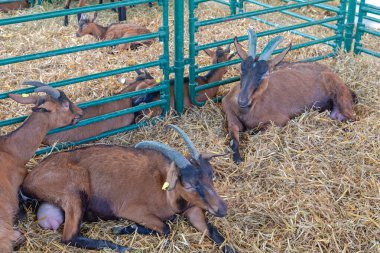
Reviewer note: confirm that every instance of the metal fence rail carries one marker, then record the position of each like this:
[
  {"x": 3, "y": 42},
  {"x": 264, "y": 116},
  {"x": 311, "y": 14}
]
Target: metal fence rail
[
  {"x": 364, "y": 10},
  {"x": 342, "y": 35},
  {"x": 162, "y": 61}
]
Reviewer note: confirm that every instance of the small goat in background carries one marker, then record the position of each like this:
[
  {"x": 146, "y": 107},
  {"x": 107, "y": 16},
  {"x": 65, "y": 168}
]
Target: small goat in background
[
  {"x": 16, "y": 149},
  {"x": 6, "y": 7},
  {"x": 147, "y": 184},
  {"x": 272, "y": 91},
  {"x": 143, "y": 80},
  {"x": 113, "y": 31}
]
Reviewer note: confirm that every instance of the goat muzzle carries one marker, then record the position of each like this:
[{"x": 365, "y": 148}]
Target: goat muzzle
[
  {"x": 220, "y": 211},
  {"x": 243, "y": 102}
]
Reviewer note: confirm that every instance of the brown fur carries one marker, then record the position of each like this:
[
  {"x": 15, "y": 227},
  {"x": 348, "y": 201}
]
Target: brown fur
[
  {"x": 288, "y": 90},
  {"x": 88, "y": 131},
  {"x": 113, "y": 31},
  {"x": 14, "y": 6},
  {"x": 204, "y": 95},
  {"x": 120, "y": 182},
  {"x": 17, "y": 148}
]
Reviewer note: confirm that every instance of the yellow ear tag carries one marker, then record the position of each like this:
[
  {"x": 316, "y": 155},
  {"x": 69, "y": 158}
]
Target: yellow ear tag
[
  {"x": 158, "y": 80},
  {"x": 165, "y": 186},
  {"x": 24, "y": 95}
]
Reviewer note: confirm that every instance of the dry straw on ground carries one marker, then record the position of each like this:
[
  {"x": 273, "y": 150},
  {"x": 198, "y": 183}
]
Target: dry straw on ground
[{"x": 311, "y": 186}]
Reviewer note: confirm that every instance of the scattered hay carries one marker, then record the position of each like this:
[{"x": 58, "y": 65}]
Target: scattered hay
[{"x": 311, "y": 186}]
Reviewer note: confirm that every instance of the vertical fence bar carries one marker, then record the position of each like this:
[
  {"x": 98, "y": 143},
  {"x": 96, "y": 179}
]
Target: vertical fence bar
[
  {"x": 192, "y": 52},
  {"x": 348, "y": 37},
  {"x": 359, "y": 31},
  {"x": 340, "y": 25},
  {"x": 241, "y": 6},
  {"x": 233, "y": 7},
  {"x": 178, "y": 54},
  {"x": 165, "y": 94}
]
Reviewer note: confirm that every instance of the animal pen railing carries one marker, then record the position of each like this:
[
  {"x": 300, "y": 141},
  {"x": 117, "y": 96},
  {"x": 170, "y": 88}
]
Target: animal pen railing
[
  {"x": 340, "y": 25},
  {"x": 163, "y": 62},
  {"x": 364, "y": 10}
]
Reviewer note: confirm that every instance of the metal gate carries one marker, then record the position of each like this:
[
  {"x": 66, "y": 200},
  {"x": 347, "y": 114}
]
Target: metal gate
[
  {"x": 340, "y": 24},
  {"x": 162, "y": 61}
]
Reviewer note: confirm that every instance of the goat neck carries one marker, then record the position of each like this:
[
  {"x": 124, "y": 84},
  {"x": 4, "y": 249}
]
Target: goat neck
[
  {"x": 28, "y": 136},
  {"x": 99, "y": 31}
]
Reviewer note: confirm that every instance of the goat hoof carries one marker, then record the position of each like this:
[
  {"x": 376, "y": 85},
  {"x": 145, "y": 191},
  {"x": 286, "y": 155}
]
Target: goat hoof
[
  {"x": 237, "y": 159},
  {"x": 18, "y": 240},
  {"x": 228, "y": 249},
  {"x": 124, "y": 230}
]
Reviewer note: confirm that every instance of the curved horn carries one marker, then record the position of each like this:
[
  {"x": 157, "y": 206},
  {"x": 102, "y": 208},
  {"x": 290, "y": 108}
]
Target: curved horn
[
  {"x": 252, "y": 37},
  {"x": 34, "y": 83},
  {"x": 167, "y": 151},
  {"x": 49, "y": 90},
  {"x": 193, "y": 151},
  {"x": 268, "y": 50}
]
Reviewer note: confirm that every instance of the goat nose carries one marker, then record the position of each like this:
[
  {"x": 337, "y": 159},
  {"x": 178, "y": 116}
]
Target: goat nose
[
  {"x": 77, "y": 34},
  {"x": 222, "y": 209}
]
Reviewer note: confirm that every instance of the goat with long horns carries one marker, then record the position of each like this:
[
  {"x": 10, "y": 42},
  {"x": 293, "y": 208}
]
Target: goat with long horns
[
  {"x": 147, "y": 184},
  {"x": 273, "y": 91}
]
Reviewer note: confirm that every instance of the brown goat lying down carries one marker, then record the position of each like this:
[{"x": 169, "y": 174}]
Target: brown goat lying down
[
  {"x": 147, "y": 184},
  {"x": 143, "y": 80},
  {"x": 14, "y": 6},
  {"x": 16, "y": 148},
  {"x": 219, "y": 55},
  {"x": 271, "y": 91},
  {"x": 113, "y": 31}
]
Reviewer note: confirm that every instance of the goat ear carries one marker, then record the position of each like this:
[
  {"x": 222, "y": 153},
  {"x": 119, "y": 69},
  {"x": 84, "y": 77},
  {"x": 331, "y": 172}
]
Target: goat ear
[
  {"x": 45, "y": 107},
  {"x": 24, "y": 99},
  {"x": 95, "y": 16},
  {"x": 239, "y": 49},
  {"x": 209, "y": 156},
  {"x": 77, "y": 111},
  {"x": 209, "y": 52},
  {"x": 278, "y": 58},
  {"x": 172, "y": 176}
]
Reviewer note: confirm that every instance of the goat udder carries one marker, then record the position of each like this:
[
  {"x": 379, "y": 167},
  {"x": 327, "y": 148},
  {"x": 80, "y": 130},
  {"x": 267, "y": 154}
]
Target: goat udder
[{"x": 49, "y": 216}]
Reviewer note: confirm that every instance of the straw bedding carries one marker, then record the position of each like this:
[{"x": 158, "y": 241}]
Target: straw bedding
[{"x": 311, "y": 186}]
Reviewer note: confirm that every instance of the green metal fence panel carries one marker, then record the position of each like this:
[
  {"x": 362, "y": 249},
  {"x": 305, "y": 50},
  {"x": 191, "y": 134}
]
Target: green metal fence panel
[
  {"x": 341, "y": 24},
  {"x": 362, "y": 28},
  {"x": 335, "y": 41},
  {"x": 163, "y": 62}
]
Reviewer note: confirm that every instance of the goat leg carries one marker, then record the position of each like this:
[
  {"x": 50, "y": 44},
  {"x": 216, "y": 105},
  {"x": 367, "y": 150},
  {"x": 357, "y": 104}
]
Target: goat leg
[
  {"x": 66, "y": 19},
  {"x": 87, "y": 243},
  {"x": 197, "y": 218},
  {"x": 234, "y": 133},
  {"x": 138, "y": 229},
  {"x": 343, "y": 98}
]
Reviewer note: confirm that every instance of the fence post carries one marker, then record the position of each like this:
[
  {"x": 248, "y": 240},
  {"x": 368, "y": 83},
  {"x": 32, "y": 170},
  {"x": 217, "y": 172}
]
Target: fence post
[
  {"x": 232, "y": 7},
  {"x": 340, "y": 25},
  {"x": 348, "y": 37},
  {"x": 359, "y": 27},
  {"x": 178, "y": 54}
]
